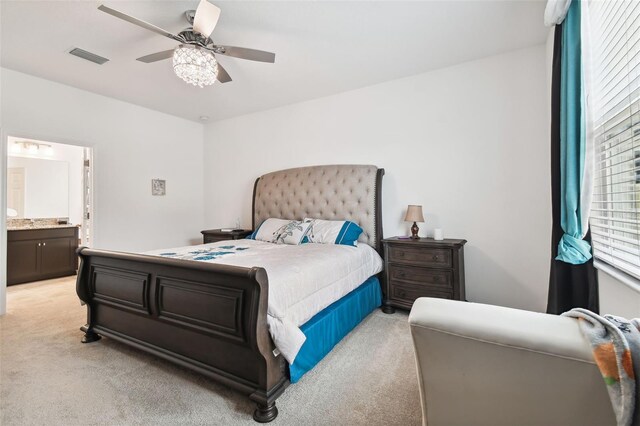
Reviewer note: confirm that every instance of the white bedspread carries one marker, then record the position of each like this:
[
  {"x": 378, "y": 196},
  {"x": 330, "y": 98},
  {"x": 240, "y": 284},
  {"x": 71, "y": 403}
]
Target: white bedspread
[{"x": 303, "y": 279}]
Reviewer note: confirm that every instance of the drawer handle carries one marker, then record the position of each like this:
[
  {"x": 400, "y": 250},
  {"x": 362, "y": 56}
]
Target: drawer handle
[
  {"x": 401, "y": 293},
  {"x": 436, "y": 279},
  {"x": 435, "y": 257},
  {"x": 401, "y": 254},
  {"x": 401, "y": 274}
]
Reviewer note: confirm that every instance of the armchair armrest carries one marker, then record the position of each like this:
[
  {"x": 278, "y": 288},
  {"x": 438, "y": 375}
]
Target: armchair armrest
[{"x": 526, "y": 330}]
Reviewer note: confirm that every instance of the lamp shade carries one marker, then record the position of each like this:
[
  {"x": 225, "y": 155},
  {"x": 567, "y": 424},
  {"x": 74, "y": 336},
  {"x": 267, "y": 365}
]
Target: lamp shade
[{"x": 414, "y": 214}]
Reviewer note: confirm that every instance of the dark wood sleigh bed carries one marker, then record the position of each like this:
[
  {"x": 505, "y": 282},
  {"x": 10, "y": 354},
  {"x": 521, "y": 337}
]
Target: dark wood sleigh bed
[{"x": 212, "y": 318}]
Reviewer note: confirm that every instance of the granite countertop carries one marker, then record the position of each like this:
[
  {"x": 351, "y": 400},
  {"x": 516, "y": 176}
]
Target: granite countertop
[
  {"x": 39, "y": 226},
  {"x": 23, "y": 224}
]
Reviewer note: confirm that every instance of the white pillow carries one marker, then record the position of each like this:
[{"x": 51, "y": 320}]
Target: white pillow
[
  {"x": 332, "y": 232},
  {"x": 281, "y": 231}
]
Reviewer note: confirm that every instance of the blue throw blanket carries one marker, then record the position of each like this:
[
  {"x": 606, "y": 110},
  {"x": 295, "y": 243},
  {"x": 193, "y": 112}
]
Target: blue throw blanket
[
  {"x": 616, "y": 349},
  {"x": 205, "y": 254}
]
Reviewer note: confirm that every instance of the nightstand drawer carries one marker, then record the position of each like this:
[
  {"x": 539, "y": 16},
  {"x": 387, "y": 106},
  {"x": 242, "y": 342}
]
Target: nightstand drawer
[
  {"x": 211, "y": 239},
  {"x": 424, "y": 256},
  {"x": 433, "y": 277},
  {"x": 408, "y": 293}
]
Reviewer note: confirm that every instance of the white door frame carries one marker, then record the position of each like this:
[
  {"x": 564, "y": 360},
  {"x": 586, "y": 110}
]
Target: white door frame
[{"x": 4, "y": 138}]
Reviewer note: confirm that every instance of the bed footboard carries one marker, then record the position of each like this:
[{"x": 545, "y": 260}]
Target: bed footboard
[{"x": 207, "y": 317}]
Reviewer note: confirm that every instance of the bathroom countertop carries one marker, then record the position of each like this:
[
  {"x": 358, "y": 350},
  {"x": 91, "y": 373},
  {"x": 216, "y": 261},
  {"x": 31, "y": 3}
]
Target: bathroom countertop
[
  {"x": 39, "y": 226},
  {"x": 26, "y": 224}
]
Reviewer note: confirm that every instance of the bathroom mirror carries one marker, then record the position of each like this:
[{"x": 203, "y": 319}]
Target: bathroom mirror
[{"x": 38, "y": 188}]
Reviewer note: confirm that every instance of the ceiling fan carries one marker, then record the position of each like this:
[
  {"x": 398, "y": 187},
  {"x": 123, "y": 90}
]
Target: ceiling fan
[{"x": 194, "y": 58}]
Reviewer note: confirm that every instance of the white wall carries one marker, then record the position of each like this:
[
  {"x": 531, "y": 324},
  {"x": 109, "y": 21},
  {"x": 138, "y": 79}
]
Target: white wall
[
  {"x": 470, "y": 143},
  {"x": 132, "y": 145},
  {"x": 618, "y": 298}
]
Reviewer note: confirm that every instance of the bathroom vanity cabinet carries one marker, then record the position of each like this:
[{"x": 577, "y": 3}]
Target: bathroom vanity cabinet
[{"x": 40, "y": 254}]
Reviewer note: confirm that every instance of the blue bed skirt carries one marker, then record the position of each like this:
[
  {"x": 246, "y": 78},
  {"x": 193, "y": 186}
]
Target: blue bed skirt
[{"x": 330, "y": 325}]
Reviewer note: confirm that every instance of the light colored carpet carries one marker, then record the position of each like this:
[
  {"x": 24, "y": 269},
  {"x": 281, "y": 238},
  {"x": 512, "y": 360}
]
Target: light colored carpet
[{"x": 48, "y": 377}]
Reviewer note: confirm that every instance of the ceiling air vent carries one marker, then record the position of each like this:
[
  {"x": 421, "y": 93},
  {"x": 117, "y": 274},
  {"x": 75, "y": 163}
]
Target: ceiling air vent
[{"x": 88, "y": 56}]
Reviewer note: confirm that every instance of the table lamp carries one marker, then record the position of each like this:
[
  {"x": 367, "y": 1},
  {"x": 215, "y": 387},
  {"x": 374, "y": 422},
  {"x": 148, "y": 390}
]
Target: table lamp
[{"x": 414, "y": 214}]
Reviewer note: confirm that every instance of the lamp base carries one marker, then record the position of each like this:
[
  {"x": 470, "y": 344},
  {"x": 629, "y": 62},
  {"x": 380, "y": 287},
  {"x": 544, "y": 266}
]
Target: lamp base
[{"x": 414, "y": 231}]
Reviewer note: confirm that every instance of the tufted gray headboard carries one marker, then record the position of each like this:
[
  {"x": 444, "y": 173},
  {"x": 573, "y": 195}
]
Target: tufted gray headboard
[{"x": 333, "y": 192}]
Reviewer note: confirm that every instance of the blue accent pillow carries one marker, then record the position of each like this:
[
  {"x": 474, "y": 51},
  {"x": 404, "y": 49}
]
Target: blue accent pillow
[{"x": 349, "y": 234}]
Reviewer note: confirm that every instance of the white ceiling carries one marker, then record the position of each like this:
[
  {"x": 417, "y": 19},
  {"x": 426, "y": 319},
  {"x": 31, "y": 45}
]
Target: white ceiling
[{"x": 321, "y": 47}]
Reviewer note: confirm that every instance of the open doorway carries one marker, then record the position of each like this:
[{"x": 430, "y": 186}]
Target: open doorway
[{"x": 49, "y": 208}]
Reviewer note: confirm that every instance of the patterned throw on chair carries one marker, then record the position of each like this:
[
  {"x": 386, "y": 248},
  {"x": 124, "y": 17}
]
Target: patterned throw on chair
[{"x": 616, "y": 350}]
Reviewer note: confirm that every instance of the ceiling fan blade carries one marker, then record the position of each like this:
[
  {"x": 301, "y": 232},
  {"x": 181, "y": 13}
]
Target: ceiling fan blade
[
  {"x": 206, "y": 18},
  {"x": 223, "y": 75},
  {"x": 244, "y": 53},
  {"x": 155, "y": 57},
  {"x": 137, "y": 22}
]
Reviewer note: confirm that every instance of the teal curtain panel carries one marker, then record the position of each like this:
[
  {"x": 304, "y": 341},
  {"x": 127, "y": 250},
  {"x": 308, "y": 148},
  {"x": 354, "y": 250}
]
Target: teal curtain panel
[{"x": 572, "y": 248}]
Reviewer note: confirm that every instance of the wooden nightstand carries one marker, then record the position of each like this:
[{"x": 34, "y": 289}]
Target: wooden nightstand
[
  {"x": 422, "y": 268},
  {"x": 215, "y": 235}
]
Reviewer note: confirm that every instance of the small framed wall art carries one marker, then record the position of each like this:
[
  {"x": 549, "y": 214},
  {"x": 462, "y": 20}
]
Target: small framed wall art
[{"x": 158, "y": 187}]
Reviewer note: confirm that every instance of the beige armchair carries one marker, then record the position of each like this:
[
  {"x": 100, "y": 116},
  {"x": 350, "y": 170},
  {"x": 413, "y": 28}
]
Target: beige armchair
[{"x": 489, "y": 365}]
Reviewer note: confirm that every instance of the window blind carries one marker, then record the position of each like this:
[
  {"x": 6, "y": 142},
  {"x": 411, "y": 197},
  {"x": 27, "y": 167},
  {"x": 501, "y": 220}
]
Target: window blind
[{"x": 615, "y": 212}]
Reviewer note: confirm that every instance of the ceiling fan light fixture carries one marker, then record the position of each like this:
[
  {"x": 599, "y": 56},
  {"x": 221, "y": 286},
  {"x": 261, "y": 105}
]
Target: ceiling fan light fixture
[{"x": 195, "y": 66}]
